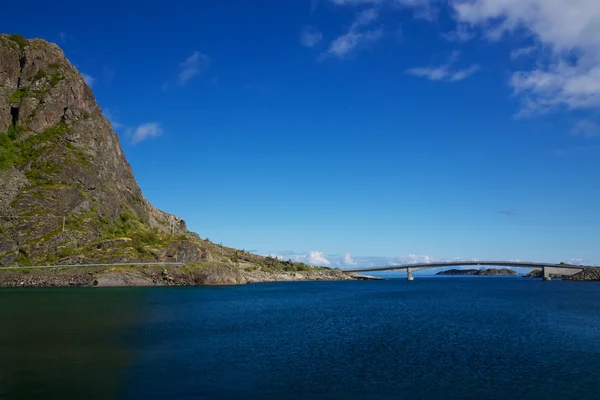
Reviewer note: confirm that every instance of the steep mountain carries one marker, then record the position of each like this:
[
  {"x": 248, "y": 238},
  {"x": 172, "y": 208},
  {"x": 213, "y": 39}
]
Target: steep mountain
[{"x": 67, "y": 193}]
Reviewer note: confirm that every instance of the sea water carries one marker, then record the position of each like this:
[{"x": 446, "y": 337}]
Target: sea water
[{"x": 433, "y": 338}]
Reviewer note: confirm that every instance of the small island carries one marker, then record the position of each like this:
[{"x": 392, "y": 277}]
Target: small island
[{"x": 487, "y": 272}]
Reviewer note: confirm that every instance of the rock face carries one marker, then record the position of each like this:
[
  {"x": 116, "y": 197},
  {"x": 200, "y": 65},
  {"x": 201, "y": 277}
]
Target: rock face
[
  {"x": 536, "y": 273},
  {"x": 64, "y": 180},
  {"x": 585, "y": 275},
  {"x": 488, "y": 272}
]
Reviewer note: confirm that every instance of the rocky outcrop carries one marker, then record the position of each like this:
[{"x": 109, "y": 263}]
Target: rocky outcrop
[
  {"x": 64, "y": 180},
  {"x": 486, "y": 272},
  {"x": 538, "y": 273},
  {"x": 588, "y": 274}
]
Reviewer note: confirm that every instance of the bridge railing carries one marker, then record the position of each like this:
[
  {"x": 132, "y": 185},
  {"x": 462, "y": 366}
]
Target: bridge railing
[{"x": 525, "y": 264}]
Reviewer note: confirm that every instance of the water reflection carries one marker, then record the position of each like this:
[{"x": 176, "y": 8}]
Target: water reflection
[{"x": 67, "y": 343}]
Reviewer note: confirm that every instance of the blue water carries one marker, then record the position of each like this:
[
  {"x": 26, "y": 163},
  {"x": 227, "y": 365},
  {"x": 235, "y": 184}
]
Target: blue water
[{"x": 434, "y": 338}]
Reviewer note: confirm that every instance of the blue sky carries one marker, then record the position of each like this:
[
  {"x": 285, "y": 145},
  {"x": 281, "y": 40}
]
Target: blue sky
[{"x": 353, "y": 132}]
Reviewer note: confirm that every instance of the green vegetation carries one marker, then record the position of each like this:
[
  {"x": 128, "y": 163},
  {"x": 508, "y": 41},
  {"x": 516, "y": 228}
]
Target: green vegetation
[
  {"x": 54, "y": 65},
  {"x": 56, "y": 77},
  {"x": 16, "y": 153},
  {"x": 41, "y": 74},
  {"x": 12, "y": 132},
  {"x": 8, "y": 151},
  {"x": 19, "y": 40},
  {"x": 271, "y": 264},
  {"x": 17, "y": 96}
]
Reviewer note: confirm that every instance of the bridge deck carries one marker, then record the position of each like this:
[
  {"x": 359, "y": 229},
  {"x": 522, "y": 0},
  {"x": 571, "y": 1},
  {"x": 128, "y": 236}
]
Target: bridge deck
[{"x": 521, "y": 264}]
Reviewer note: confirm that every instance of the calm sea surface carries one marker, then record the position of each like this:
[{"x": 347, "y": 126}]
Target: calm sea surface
[{"x": 434, "y": 338}]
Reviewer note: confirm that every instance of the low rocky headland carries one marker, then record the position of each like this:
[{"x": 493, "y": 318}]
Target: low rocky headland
[
  {"x": 486, "y": 272},
  {"x": 199, "y": 274},
  {"x": 587, "y": 274}
]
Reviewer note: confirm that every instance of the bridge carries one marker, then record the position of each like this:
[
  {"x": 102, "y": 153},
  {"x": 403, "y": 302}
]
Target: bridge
[{"x": 547, "y": 269}]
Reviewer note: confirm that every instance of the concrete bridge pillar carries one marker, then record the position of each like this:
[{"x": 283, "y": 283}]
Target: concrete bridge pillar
[
  {"x": 409, "y": 275},
  {"x": 546, "y": 274}
]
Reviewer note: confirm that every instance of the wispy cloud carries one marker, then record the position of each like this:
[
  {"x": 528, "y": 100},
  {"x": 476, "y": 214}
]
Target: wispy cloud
[
  {"x": 357, "y": 36},
  {"x": 63, "y": 36},
  {"x": 310, "y": 36},
  {"x": 586, "y": 128},
  {"x": 192, "y": 66},
  {"x": 346, "y": 43},
  {"x": 146, "y": 131},
  {"x": 364, "y": 18},
  {"x": 422, "y": 9},
  {"x": 88, "y": 79},
  {"x": 522, "y": 52},
  {"x": 445, "y": 72},
  {"x": 509, "y": 213}
]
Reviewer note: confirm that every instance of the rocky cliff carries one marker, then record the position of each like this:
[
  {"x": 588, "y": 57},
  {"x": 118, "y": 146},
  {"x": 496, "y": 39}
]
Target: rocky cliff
[{"x": 67, "y": 193}]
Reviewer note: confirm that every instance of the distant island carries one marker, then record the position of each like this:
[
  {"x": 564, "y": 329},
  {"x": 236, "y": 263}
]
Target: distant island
[{"x": 487, "y": 272}]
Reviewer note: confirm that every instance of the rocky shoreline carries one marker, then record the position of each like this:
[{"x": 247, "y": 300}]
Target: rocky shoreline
[
  {"x": 161, "y": 276},
  {"x": 585, "y": 275}
]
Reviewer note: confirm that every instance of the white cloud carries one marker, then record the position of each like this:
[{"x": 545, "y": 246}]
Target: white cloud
[
  {"x": 566, "y": 34},
  {"x": 192, "y": 66},
  {"x": 522, "y": 52},
  {"x": 423, "y": 9},
  {"x": 146, "y": 131},
  {"x": 445, "y": 72},
  {"x": 346, "y": 43},
  {"x": 568, "y": 29},
  {"x": 317, "y": 258},
  {"x": 364, "y": 18},
  {"x": 357, "y": 37},
  {"x": 586, "y": 127},
  {"x": 348, "y": 260},
  {"x": 88, "y": 79},
  {"x": 310, "y": 37},
  {"x": 581, "y": 261},
  {"x": 416, "y": 259}
]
